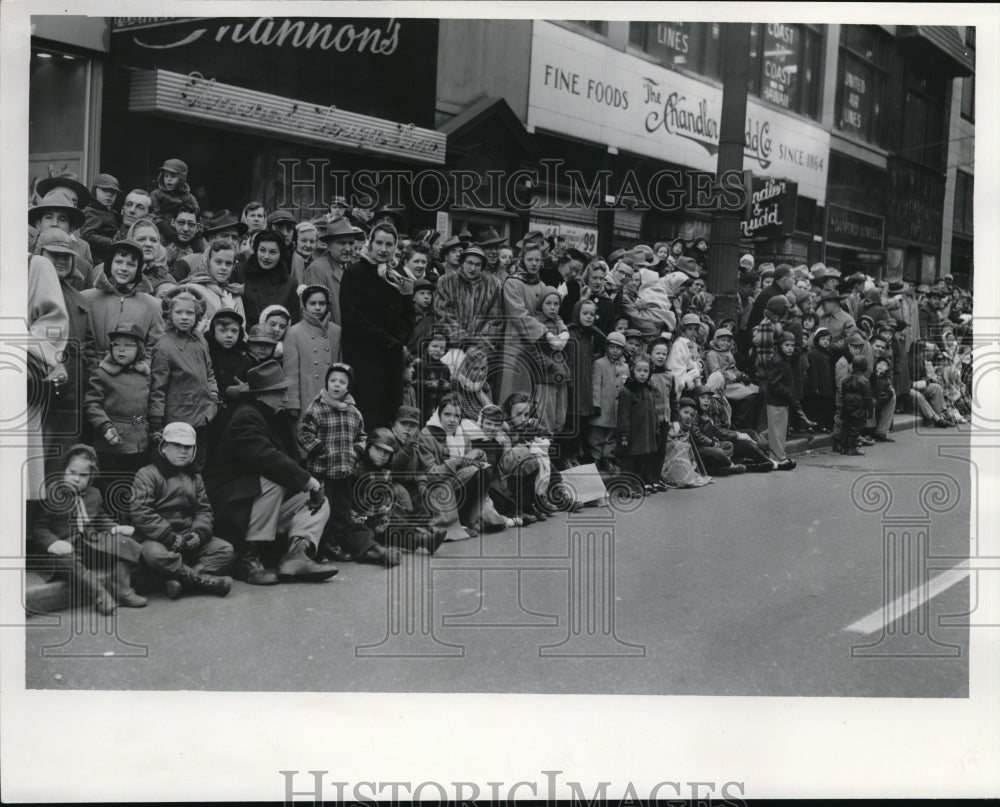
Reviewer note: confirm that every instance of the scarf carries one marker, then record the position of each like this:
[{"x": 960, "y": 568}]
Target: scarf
[
  {"x": 386, "y": 272},
  {"x": 329, "y": 400},
  {"x": 228, "y": 292}
]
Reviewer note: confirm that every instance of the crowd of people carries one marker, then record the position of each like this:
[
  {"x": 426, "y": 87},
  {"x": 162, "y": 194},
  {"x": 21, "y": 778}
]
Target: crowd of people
[{"x": 267, "y": 397}]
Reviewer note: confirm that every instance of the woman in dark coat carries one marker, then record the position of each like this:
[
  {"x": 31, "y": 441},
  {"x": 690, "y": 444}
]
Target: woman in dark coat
[
  {"x": 268, "y": 278},
  {"x": 377, "y": 317}
]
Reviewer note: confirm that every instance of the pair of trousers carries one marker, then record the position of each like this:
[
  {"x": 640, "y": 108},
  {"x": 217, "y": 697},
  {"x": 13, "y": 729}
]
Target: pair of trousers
[
  {"x": 777, "y": 430},
  {"x": 552, "y": 403},
  {"x": 883, "y": 416},
  {"x": 641, "y": 465},
  {"x": 215, "y": 556},
  {"x": 276, "y": 510},
  {"x": 930, "y": 401},
  {"x": 340, "y": 530}
]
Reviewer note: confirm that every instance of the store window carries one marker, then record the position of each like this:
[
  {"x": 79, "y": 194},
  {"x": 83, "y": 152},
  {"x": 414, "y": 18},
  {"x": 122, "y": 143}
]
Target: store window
[
  {"x": 694, "y": 46},
  {"x": 969, "y": 82},
  {"x": 923, "y": 119},
  {"x": 963, "y": 203},
  {"x": 785, "y": 65},
  {"x": 58, "y": 94},
  {"x": 861, "y": 81}
]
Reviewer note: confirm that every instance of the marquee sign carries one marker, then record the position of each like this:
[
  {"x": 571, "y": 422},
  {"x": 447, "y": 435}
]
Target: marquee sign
[{"x": 211, "y": 103}]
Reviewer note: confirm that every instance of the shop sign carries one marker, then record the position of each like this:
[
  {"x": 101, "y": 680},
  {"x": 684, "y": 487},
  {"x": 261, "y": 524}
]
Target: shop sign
[
  {"x": 771, "y": 209},
  {"x": 916, "y": 203},
  {"x": 195, "y": 97},
  {"x": 354, "y": 63},
  {"x": 577, "y": 236},
  {"x": 584, "y": 89},
  {"x": 782, "y": 52},
  {"x": 854, "y": 229}
]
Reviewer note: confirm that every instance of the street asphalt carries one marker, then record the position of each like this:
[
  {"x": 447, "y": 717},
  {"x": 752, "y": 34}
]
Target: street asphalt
[{"x": 749, "y": 586}]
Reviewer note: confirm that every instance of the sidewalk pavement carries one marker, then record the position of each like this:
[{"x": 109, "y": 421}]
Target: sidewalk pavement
[{"x": 41, "y": 597}]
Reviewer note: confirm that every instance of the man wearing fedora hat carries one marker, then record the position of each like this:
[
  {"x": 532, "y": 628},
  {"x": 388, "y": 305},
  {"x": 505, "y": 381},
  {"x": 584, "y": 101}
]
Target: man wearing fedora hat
[
  {"x": 450, "y": 255},
  {"x": 57, "y": 209},
  {"x": 259, "y": 491},
  {"x": 491, "y": 241},
  {"x": 832, "y": 316},
  {"x": 327, "y": 270}
]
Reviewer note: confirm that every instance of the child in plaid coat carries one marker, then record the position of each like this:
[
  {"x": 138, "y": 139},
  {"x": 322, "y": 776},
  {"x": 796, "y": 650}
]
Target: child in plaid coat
[{"x": 331, "y": 433}]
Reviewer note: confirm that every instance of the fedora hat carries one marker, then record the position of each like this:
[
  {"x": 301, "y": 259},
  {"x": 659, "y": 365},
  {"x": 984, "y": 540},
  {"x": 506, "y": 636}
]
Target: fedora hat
[
  {"x": 449, "y": 244},
  {"x": 641, "y": 257},
  {"x": 394, "y": 215},
  {"x": 688, "y": 266},
  {"x": 828, "y": 295},
  {"x": 491, "y": 238},
  {"x": 224, "y": 220},
  {"x": 475, "y": 249},
  {"x": 49, "y": 184},
  {"x": 265, "y": 377},
  {"x": 56, "y": 201},
  {"x": 339, "y": 228}
]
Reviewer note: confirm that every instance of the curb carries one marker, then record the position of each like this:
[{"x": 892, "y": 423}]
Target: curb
[{"x": 41, "y": 597}]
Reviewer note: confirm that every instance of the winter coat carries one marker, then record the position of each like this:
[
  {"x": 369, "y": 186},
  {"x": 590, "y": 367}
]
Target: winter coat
[
  {"x": 683, "y": 362},
  {"x": 258, "y": 442},
  {"x": 182, "y": 384},
  {"x": 521, "y": 330},
  {"x": 165, "y": 203},
  {"x": 583, "y": 346},
  {"x": 80, "y": 344},
  {"x": 551, "y": 349},
  {"x": 637, "y": 421},
  {"x": 377, "y": 318},
  {"x": 168, "y": 501},
  {"x": 58, "y": 520},
  {"x": 780, "y": 382},
  {"x": 268, "y": 287},
  {"x": 474, "y": 306},
  {"x": 662, "y": 384},
  {"x": 108, "y": 308},
  {"x": 840, "y": 324},
  {"x": 432, "y": 380},
  {"x": 100, "y": 229},
  {"x": 310, "y": 347},
  {"x": 407, "y": 467},
  {"x": 432, "y": 448},
  {"x": 119, "y": 397},
  {"x": 322, "y": 271},
  {"x": 605, "y": 387},
  {"x": 820, "y": 382},
  {"x": 856, "y": 400},
  {"x": 424, "y": 324},
  {"x": 332, "y": 435}
]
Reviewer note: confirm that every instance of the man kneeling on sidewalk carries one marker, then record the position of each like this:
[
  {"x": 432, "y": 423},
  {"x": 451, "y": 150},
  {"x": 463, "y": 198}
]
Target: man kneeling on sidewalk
[{"x": 259, "y": 491}]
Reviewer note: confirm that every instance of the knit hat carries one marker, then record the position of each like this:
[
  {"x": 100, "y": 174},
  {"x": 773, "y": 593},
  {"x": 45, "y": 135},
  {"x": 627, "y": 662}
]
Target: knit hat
[
  {"x": 547, "y": 291},
  {"x": 276, "y": 309},
  {"x": 746, "y": 261},
  {"x": 307, "y": 290},
  {"x": 777, "y": 304},
  {"x": 766, "y": 269}
]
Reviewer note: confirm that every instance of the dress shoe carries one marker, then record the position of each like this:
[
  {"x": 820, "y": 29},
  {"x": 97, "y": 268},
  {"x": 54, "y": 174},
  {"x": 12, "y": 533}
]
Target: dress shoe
[
  {"x": 297, "y": 567},
  {"x": 379, "y": 555},
  {"x": 249, "y": 569},
  {"x": 527, "y": 518},
  {"x": 884, "y": 438},
  {"x": 866, "y": 441},
  {"x": 173, "y": 589},
  {"x": 786, "y": 464}
]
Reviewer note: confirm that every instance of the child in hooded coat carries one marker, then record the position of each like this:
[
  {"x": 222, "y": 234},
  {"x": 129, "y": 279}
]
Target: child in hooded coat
[
  {"x": 820, "y": 398},
  {"x": 551, "y": 387},
  {"x": 432, "y": 378},
  {"x": 183, "y": 386},
  {"x": 585, "y": 345},
  {"x": 171, "y": 191},
  {"x": 116, "y": 403},
  {"x": 637, "y": 427}
]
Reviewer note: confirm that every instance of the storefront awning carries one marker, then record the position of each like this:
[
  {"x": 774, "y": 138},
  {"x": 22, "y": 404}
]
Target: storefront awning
[
  {"x": 946, "y": 40},
  {"x": 197, "y": 98}
]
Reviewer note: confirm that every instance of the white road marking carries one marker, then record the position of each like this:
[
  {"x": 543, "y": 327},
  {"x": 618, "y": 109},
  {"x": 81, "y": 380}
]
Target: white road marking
[{"x": 913, "y": 599}]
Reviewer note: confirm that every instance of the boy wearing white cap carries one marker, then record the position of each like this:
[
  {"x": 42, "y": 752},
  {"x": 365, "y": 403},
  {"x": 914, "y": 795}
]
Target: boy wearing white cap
[{"x": 173, "y": 520}]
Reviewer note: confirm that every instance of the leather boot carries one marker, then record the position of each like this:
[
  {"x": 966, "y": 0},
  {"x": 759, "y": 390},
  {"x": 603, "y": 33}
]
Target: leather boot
[
  {"x": 99, "y": 595},
  {"x": 124, "y": 593},
  {"x": 250, "y": 569},
  {"x": 190, "y": 580},
  {"x": 297, "y": 567}
]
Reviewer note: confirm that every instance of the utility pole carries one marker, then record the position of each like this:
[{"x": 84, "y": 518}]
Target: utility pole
[{"x": 724, "y": 247}]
